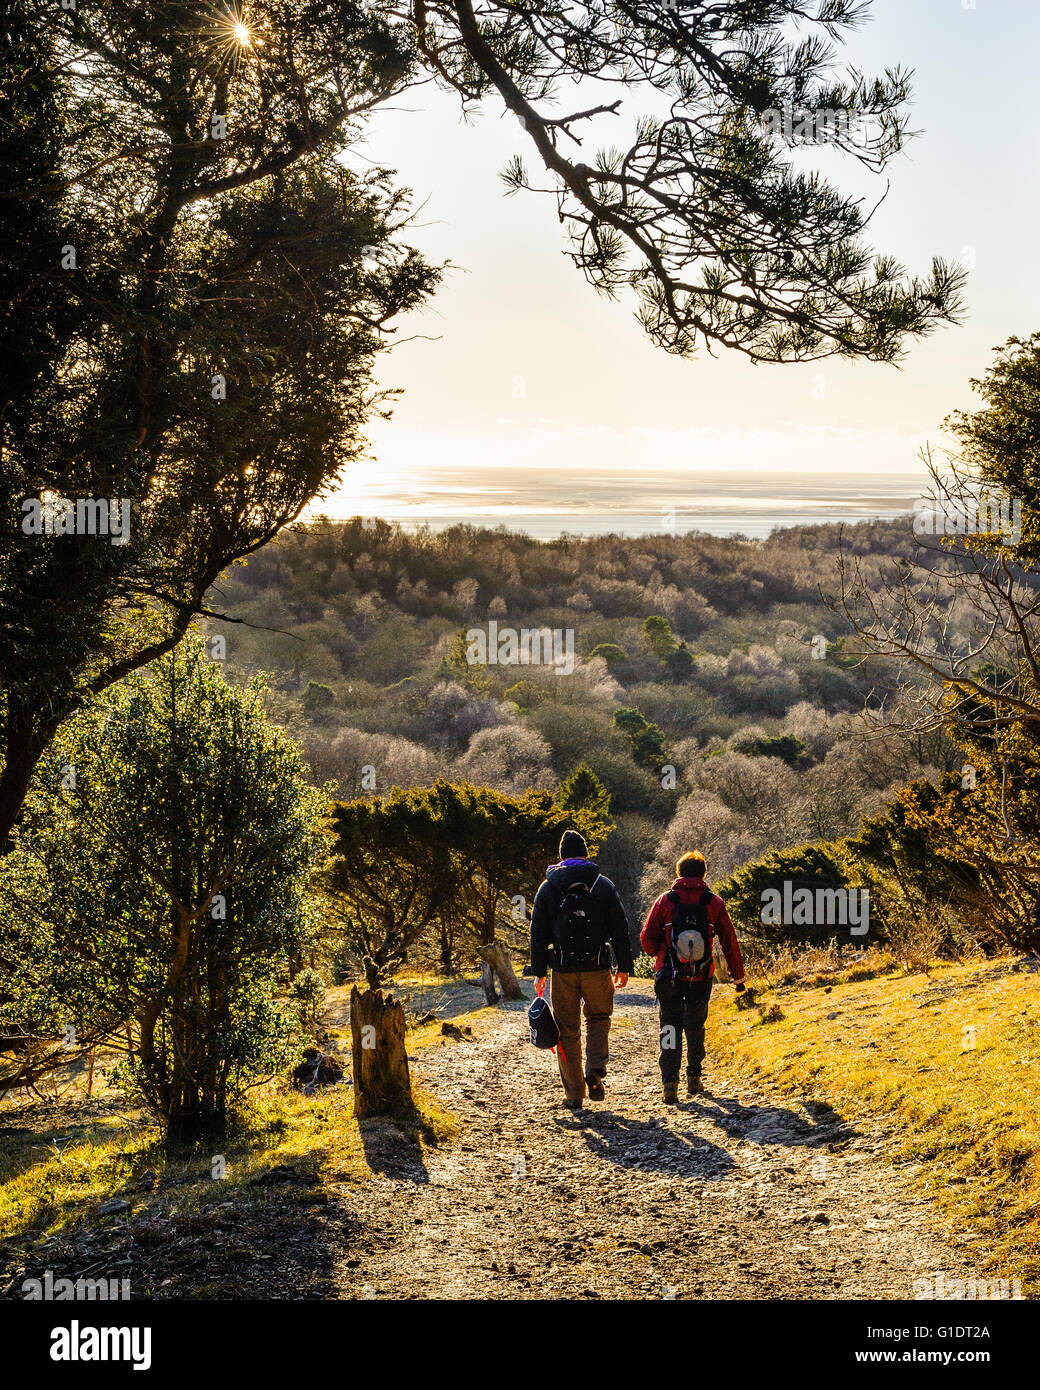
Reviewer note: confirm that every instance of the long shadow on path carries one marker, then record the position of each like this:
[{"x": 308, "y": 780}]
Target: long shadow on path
[
  {"x": 651, "y": 1146},
  {"x": 393, "y": 1149},
  {"x": 648, "y": 1146},
  {"x": 774, "y": 1124}
]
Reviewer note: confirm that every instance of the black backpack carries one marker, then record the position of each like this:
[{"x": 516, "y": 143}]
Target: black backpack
[
  {"x": 690, "y": 917},
  {"x": 545, "y": 1031},
  {"x": 578, "y": 930}
]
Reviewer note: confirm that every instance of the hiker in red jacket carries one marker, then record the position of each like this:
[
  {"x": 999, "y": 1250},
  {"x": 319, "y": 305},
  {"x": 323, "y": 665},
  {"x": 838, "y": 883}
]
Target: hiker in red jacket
[{"x": 679, "y": 931}]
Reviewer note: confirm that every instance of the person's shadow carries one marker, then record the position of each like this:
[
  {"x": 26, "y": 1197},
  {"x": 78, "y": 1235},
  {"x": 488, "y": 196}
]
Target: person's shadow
[
  {"x": 773, "y": 1124},
  {"x": 648, "y": 1145}
]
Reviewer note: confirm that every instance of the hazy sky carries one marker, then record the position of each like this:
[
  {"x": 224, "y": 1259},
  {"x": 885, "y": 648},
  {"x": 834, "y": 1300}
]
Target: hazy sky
[{"x": 541, "y": 397}]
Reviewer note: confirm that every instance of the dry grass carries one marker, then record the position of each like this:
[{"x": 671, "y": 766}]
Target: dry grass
[
  {"x": 948, "y": 1056},
  {"x": 58, "y": 1166},
  {"x": 811, "y": 965},
  {"x": 61, "y": 1159}
]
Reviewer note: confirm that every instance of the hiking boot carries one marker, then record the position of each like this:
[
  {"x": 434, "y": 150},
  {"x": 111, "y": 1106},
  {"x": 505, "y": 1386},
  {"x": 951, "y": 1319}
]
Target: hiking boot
[
  {"x": 573, "y": 1104},
  {"x": 694, "y": 1085},
  {"x": 671, "y": 1093},
  {"x": 595, "y": 1085}
]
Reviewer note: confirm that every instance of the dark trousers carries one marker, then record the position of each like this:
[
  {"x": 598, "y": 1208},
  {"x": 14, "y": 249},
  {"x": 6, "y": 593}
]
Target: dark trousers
[{"x": 683, "y": 1009}]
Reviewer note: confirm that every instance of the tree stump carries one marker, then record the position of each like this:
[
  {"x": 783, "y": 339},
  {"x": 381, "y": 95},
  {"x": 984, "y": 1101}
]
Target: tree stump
[
  {"x": 382, "y": 1085},
  {"x": 487, "y": 983},
  {"x": 497, "y": 957}
]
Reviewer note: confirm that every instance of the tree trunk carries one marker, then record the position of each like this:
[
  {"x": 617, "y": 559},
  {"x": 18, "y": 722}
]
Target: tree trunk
[
  {"x": 447, "y": 951},
  {"x": 487, "y": 983},
  {"x": 487, "y": 918},
  {"x": 382, "y": 1085},
  {"x": 497, "y": 957},
  {"x": 22, "y": 752}
]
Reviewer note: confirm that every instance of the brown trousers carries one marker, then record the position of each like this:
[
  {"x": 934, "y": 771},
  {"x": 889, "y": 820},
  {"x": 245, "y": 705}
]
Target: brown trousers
[{"x": 593, "y": 992}]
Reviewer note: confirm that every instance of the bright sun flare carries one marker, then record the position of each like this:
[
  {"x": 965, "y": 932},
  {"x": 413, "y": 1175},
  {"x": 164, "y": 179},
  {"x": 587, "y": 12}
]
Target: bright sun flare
[{"x": 242, "y": 35}]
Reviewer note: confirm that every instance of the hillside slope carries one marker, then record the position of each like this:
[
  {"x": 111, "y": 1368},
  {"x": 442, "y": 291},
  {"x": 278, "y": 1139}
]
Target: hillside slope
[{"x": 947, "y": 1060}]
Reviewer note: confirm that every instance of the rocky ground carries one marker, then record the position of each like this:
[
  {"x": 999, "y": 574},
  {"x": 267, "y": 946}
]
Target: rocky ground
[{"x": 732, "y": 1194}]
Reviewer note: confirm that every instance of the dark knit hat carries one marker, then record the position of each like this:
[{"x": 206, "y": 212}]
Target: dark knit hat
[
  {"x": 691, "y": 866},
  {"x": 573, "y": 846}
]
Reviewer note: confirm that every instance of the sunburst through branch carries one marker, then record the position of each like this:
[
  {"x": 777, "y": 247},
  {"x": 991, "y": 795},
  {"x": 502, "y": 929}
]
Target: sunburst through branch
[{"x": 230, "y": 35}]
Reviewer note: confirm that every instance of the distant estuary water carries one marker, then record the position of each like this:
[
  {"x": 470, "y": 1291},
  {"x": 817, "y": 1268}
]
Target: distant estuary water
[
  {"x": 631, "y": 501},
  {"x": 753, "y": 525}
]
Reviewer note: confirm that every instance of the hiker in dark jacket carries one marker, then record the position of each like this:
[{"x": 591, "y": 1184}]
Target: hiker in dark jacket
[
  {"x": 683, "y": 984},
  {"x": 579, "y": 930}
]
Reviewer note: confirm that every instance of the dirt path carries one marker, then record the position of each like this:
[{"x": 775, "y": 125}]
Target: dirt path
[{"x": 729, "y": 1195}]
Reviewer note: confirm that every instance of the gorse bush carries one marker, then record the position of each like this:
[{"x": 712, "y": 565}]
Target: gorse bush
[
  {"x": 438, "y": 869},
  {"x": 801, "y": 896}
]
